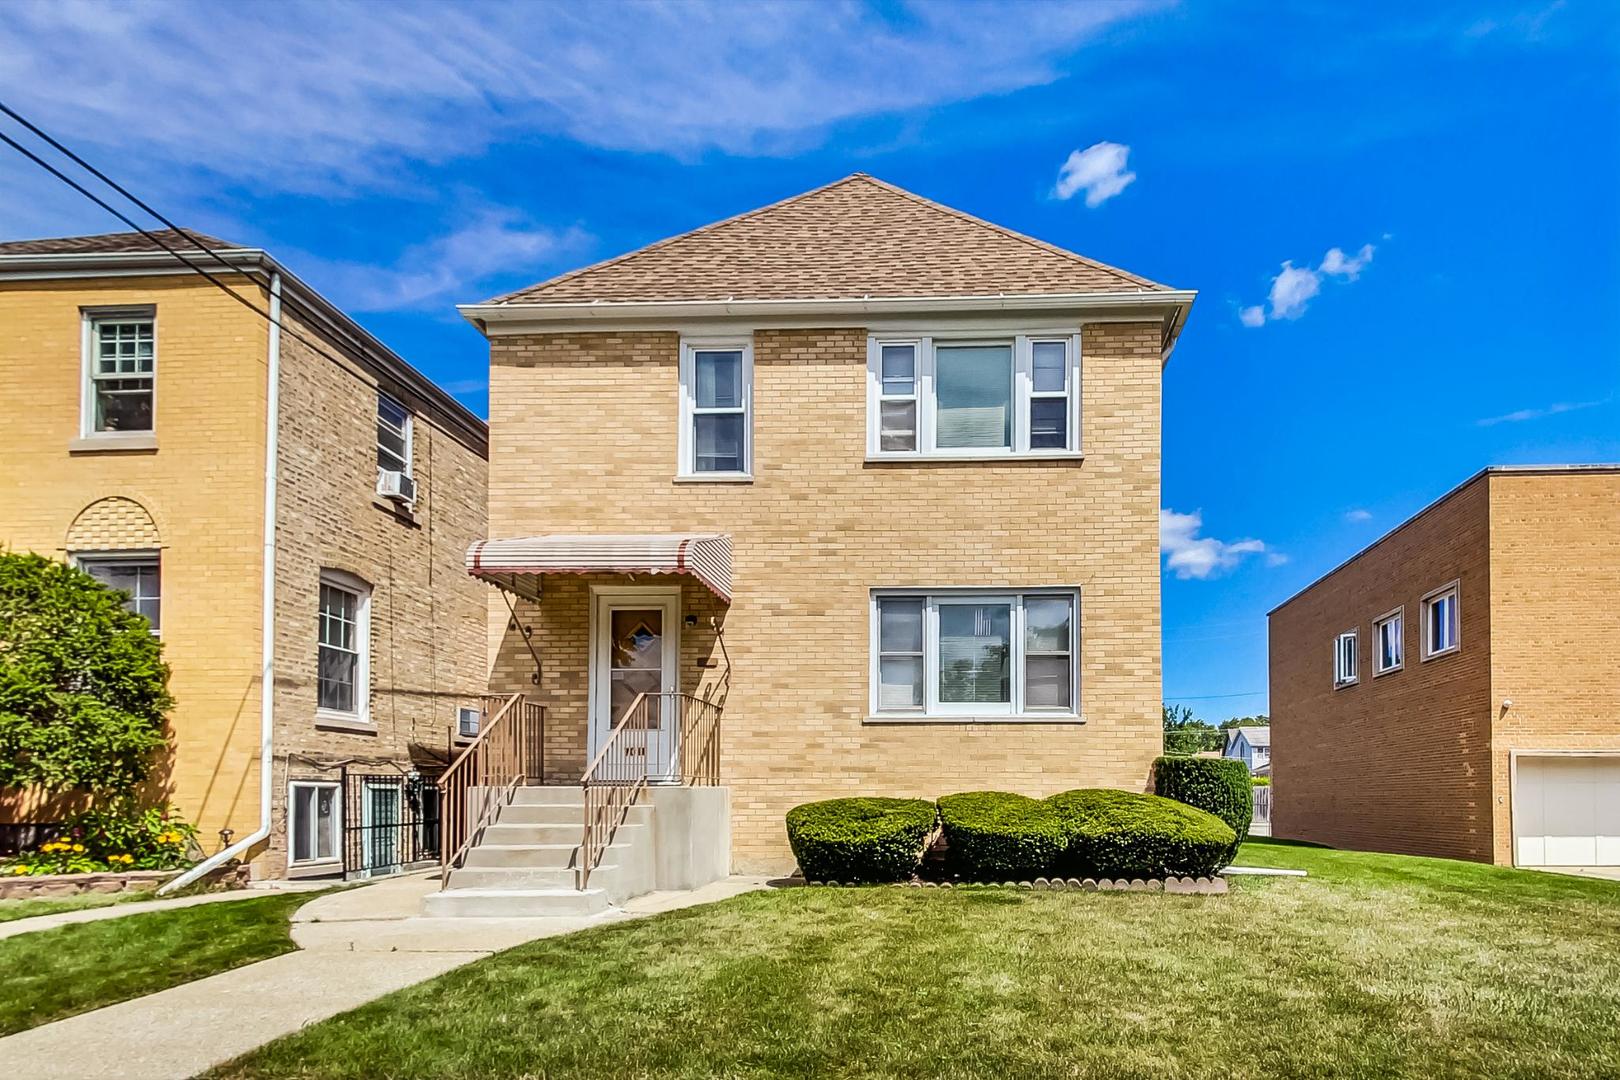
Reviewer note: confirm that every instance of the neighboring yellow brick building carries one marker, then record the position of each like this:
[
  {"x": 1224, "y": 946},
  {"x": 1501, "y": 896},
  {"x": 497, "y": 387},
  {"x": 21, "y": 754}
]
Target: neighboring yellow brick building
[
  {"x": 138, "y": 417},
  {"x": 931, "y": 448},
  {"x": 1453, "y": 689}
]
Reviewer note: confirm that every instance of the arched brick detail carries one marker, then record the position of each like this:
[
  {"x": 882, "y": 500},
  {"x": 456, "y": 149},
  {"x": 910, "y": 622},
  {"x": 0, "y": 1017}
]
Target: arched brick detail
[{"x": 112, "y": 524}]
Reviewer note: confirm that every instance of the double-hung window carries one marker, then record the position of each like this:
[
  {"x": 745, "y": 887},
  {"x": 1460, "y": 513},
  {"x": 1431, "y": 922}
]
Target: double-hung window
[
  {"x": 343, "y": 688},
  {"x": 1345, "y": 670},
  {"x": 393, "y": 435},
  {"x": 121, "y": 372},
  {"x": 1388, "y": 648},
  {"x": 136, "y": 573},
  {"x": 312, "y": 822},
  {"x": 975, "y": 653},
  {"x": 716, "y": 437},
  {"x": 1441, "y": 628},
  {"x": 973, "y": 397}
]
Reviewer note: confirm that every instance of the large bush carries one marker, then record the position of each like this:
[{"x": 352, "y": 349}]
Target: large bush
[
  {"x": 999, "y": 836},
  {"x": 83, "y": 686},
  {"x": 860, "y": 840},
  {"x": 1123, "y": 834},
  {"x": 1218, "y": 785}
]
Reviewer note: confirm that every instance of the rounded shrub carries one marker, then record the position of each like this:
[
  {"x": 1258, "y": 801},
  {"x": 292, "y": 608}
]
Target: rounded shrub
[
  {"x": 1218, "y": 785},
  {"x": 860, "y": 840},
  {"x": 1124, "y": 834},
  {"x": 999, "y": 836}
]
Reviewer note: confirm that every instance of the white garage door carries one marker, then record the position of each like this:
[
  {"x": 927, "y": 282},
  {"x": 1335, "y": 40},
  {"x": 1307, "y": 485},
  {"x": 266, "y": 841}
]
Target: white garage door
[{"x": 1567, "y": 811}]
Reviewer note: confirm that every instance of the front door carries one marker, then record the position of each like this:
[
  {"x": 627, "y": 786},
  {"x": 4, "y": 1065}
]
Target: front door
[{"x": 635, "y": 654}]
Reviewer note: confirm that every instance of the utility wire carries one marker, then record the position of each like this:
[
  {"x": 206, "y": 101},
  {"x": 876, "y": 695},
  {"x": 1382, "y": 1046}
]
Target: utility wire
[{"x": 151, "y": 237}]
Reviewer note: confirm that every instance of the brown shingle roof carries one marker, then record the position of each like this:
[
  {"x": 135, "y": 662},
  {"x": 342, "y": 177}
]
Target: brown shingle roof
[
  {"x": 114, "y": 244},
  {"x": 854, "y": 238}
]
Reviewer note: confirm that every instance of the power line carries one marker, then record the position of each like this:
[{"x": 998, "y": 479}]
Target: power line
[
  {"x": 1214, "y": 697},
  {"x": 151, "y": 237}
]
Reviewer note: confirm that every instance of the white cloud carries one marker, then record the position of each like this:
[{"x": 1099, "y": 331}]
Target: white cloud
[
  {"x": 318, "y": 97},
  {"x": 1098, "y": 170},
  {"x": 1521, "y": 415},
  {"x": 1295, "y": 287},
  {"x": 494, "y": 241},
  {"x": 1357, "y": 515},
  {"x": 1189, "y": 555}
]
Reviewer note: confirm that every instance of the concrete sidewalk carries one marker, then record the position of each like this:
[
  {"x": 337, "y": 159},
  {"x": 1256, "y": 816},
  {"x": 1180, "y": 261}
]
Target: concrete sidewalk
[{"x": 355, "y": 946}]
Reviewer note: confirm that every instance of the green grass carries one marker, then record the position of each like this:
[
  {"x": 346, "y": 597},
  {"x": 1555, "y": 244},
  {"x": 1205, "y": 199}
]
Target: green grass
[
  {"x": 1373, "y": 966},
  {"x": 12, "y": 910},
  {"x": 51, "y": 974}
]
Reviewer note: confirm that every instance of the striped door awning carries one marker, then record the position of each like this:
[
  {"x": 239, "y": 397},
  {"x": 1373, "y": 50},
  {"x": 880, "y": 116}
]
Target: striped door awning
[{"x": 513, "y": 563}]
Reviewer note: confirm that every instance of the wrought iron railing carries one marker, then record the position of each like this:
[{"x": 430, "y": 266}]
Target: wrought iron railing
[
  {"x": 510, "y": 750},
  {"x": 667, "y": 737}
]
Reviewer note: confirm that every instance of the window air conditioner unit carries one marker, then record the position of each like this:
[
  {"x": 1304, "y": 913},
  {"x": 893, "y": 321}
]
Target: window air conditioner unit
[
  {"x": 396, "y": 486},
  {"x": 467, "y": 722}
]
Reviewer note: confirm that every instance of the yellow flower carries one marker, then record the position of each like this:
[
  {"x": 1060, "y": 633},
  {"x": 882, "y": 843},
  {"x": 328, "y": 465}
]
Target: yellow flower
[
  {"x": 19, "y": 869},
  {"x": 78, "y": 847}
]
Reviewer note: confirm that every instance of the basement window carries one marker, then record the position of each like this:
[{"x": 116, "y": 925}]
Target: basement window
[{"x": 312, "y": 822}]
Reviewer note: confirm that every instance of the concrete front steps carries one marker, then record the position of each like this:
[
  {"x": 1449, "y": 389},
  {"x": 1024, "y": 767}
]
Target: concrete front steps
[{"x": 526, "y": 865}]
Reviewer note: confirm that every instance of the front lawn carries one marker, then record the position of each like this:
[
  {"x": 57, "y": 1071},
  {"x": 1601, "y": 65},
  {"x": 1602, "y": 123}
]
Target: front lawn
[
  {"x": 12, "y": 910},
  {"x": 51, "y": 974},
  {"x": 1374, "y": 966}
]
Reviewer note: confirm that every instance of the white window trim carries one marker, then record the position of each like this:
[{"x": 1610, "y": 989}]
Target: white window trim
[
  {"x": 409, "y": 432},
  {"x": 686, "y": 444},
  {"x": 934, "y": 711},
  {"x": 337, "y": 823},
  {"x": 1340, "y": 680},
  {"x": 361, "y": 716},
  {"x": 88, "y": 319},
  {"x": 1023, "y": 393},
  {"x": 1454, "y": 588},
  {"x": 1378, "y": 643},
  {"x": 154, "y": 555}
]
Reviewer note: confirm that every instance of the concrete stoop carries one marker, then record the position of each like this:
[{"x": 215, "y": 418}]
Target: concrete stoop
[{"x": 526, "y": 865}]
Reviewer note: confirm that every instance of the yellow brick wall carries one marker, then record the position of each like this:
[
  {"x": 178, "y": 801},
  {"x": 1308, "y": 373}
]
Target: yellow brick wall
[
  {"x": 1555, "y": 616},
  {"x": 583, "y": 433},
  {"x": 1398, "y": 762},
  {"x": 201, "y": 489}
]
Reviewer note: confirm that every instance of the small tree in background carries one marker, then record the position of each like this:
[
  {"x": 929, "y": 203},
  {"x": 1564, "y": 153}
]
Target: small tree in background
[
  {"x": 83, "y": 685},
  {"x": 1184, "y": 734}
]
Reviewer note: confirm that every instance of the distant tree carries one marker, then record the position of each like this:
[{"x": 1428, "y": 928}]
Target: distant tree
[
  {"x": 83, "y": 685},
  {"x": 1185, "y": 734},
  {"x": 1246, "y": 721}
]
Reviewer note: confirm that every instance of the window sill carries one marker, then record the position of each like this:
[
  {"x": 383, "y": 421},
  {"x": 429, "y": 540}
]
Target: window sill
[
  {"x": 714, "y": 478},
  {"x": 1453, "y": 651},
  {"x": 1389, "y": 671},
  {"x": 1008, "y": 459},
  {"x": 133, "y": 443},
  {"x": 314, "y": 868},
  {"x": 1023, "y": 718},
  {"x": 405, "y": 512},
  {"x": 329, "y": 721},
  {"x": 1346, "y": 684}
]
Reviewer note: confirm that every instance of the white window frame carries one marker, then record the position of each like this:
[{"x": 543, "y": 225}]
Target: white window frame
[
  {"x": 1452, "y": 589},
  {"x": 935, "y": 710},
  {"x": 1023, "y": 392},
  {"x": 336, "y": 858},
  {"x": 1341, "y": 678},
  {"x": 361, "y": 715},
  {"x": 686, "y": 448},
  {"x": 408, "y": 433},
  {"x": 90, "y": 321},
  {"x": 1398, "y": 617},
  {"x": 141, "y": 555}
]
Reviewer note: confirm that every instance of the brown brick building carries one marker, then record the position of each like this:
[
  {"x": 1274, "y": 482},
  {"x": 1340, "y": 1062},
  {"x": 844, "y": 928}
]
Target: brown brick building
[
  {"x": 149, "y": 412},
  {"x": 1453, "y": 690},
  {"x": 922, "y": 452}
]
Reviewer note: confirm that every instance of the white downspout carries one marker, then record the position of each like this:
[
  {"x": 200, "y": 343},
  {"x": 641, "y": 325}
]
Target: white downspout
[{"x": 267, "y": 629}]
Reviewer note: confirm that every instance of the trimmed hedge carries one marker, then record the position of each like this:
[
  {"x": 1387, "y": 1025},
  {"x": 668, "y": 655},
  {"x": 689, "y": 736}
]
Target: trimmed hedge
[
  {"x": 860, "y": 840},
  {"x": 999, "y": 836},
  {"x": 1124, "y": 834},
  {"x": 1218, "y": 785}
]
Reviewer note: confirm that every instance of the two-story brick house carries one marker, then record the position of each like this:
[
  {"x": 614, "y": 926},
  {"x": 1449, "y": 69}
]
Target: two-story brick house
[
  {"x": 142, "y": 405},
  {"x": 882, "y": 475},
  {"x": 1452, "y": 689}
]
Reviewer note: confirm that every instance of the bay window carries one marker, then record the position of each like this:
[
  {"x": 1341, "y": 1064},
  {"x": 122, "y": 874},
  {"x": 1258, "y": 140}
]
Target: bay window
[
  {"x": 973, "y": 397},
  {"x": 974, "y": 653}
]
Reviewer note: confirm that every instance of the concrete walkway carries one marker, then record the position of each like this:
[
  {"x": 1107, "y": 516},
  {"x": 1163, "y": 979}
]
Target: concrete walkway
[
  {"x": 139, "y": 907},
  {"x": 355, "y": 946}
]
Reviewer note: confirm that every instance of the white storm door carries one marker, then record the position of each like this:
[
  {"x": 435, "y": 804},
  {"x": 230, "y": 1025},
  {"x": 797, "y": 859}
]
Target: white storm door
[{"x": 635, "y": 652}]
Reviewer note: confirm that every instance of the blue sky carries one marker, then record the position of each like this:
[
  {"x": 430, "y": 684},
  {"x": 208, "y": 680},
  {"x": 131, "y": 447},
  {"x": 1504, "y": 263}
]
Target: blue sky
[{"x": 1403, "y": 221}]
